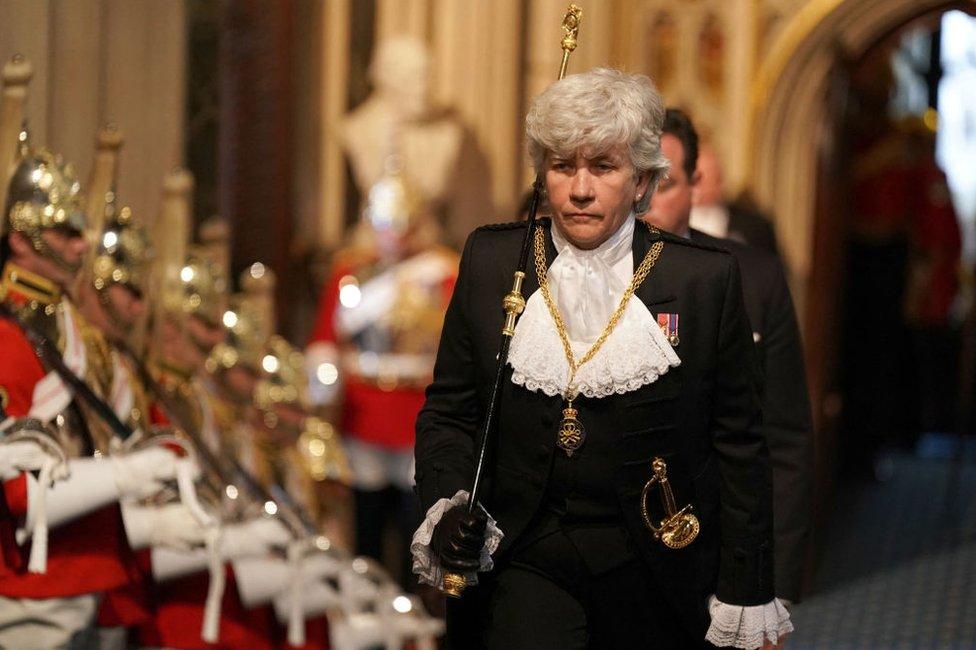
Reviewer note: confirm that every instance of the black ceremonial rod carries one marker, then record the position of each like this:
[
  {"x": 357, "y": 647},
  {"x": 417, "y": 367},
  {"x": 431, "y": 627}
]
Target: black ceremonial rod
[{"x": 513, "y": 304}]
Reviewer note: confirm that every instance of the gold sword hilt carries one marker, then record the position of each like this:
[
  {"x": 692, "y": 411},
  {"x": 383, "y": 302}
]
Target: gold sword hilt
[{"x": 678, "y": 528}]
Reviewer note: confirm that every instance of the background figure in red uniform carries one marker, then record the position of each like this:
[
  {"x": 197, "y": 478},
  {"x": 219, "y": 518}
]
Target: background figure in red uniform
[
  {"x": 931, "y": 287},
  {"x": 372, "y": 353}
]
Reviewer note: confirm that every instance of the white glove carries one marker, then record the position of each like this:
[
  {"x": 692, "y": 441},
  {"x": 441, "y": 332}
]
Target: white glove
[
  {"x": 21, "y": 456},
  {"x": 140, "y": 474},
  {"x": 90, "y": 486},
  {"x": 259, "y": 579},
  {"x": 169, "y": 526},
  {"x": 253, "y": 538},
  {"x": 357, "y": 631},
  {"x": 322, "y": 565},
  {"x": 317, "y": 597}
]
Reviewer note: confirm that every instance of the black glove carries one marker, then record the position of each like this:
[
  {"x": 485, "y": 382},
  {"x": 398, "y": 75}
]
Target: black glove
[{"x": 458, "y": 539}]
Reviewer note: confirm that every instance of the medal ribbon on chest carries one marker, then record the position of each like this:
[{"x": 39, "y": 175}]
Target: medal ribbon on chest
[{"x": 571, "y": 434}]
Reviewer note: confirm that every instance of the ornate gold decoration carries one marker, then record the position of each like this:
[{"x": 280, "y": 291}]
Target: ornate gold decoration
[
  {"x": 514, "y": 304},
  {"x": 569, "y": 394},
  {"x": 33, "y": 298},
  {"x": 571, "y": 433},
  {"x": 454, "y": 584},
  {"x": 284, "y": 380},
  {"x": 571, "y": 24},
  {"x": 679, "y": 528},
  {"x": 31, "y": 286},
  {"x": 203, "y": 287}
]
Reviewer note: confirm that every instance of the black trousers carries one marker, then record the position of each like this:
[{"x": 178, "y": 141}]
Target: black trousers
[{"x": 545, "y": 598}]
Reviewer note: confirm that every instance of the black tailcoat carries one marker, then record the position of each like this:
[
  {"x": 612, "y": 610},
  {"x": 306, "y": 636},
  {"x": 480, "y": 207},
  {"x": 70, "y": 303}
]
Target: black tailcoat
[
  {"x": 751, "y": 227},
  {"x": 702, "y": 417},
  {"x": 786, "y": 404}
]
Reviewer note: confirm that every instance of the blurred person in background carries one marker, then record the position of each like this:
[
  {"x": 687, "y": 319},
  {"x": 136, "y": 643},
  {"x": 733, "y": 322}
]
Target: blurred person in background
[
  {"x": 713, "y": 215},
  {"x": 371, "y": 354},
  {"x": 787, "y": 421}
]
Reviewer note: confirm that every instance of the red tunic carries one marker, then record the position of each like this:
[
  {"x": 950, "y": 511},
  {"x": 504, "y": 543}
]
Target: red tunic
[
  {"x": 178, "y": 619},
  {"x": 88, "y": 555},
  {"x": 370, "y": 413}
]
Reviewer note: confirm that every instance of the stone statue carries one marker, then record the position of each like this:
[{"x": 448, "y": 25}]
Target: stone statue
[{"x": 428, "y": 145}]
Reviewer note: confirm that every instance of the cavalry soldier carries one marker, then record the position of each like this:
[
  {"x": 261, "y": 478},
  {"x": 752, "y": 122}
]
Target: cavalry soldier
[
  {"x": 112, "y": 294},
  {"x": 50, "y": 602},
  {"x": 191, "y": 293},
  {"x": 372, "y": 350},
  {"x": 786, "y": 404}
]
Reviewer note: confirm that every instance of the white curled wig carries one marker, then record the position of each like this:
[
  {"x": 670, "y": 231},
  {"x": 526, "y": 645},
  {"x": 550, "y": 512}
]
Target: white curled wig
[{"x": 598, "y": 110}]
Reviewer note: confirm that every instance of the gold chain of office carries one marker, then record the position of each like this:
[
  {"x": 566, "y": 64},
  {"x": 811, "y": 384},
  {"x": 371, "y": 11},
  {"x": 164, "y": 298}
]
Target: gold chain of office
[{"x": 541, "y": 271}]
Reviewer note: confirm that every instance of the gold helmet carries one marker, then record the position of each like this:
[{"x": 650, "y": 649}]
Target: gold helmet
[
  {"x": 203, "y": 287},
  {"x": 322, "y": 453},
  {"x": 244, "y": 344},
  {"x": 43, "y": 194},
  {"x": 123, "y": 253},
  {"x": 283, "y": 379}
]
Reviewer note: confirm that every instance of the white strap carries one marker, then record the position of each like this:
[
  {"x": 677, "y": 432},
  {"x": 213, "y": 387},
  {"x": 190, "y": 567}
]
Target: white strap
[
  {"x": 51, "y": 396},
  {"x": 296, "y": 613},
  {"x": 210, "y": 631},
  {"x": 38, "y": 554}
]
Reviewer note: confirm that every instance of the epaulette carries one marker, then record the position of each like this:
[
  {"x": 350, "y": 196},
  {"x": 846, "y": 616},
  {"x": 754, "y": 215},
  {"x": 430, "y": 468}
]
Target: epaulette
[
  {"x": 671, "y": 238},
  {"x": 511, "y": 225}
]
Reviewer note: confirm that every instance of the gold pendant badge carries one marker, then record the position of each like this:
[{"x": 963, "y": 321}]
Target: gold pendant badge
[
  {"x": 678, "y": 528},
  {"x": 571, "y": 433}
]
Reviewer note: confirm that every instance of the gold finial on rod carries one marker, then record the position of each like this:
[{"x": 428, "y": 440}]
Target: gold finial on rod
[{"x": 571, "y": 23}]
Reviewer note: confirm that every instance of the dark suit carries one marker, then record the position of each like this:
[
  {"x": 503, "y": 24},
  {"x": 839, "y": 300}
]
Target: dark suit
[
  {"x": 786, "y": 404},
  {"x": 702, "y": 417},
  {"x": 751, "y": 227}
]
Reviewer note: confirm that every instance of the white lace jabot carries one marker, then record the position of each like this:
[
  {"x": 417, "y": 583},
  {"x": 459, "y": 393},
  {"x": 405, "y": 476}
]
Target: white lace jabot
[{"x": 587, "y": 287}]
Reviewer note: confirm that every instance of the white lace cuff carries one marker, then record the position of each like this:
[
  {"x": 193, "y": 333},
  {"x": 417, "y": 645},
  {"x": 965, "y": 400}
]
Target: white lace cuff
[
  {"x": 747, "y": 627},
  {"x": 426, "y": 565}
]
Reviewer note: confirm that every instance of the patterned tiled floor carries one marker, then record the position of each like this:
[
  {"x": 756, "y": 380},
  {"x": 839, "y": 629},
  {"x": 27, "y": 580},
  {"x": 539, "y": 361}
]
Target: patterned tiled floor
[{"x": 899, "y": 565}]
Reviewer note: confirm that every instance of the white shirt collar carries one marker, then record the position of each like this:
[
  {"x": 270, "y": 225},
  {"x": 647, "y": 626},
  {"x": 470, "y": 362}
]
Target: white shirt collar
[
  {"x": 711, "y": 219},
  {"x": 587, "y": 285}
]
